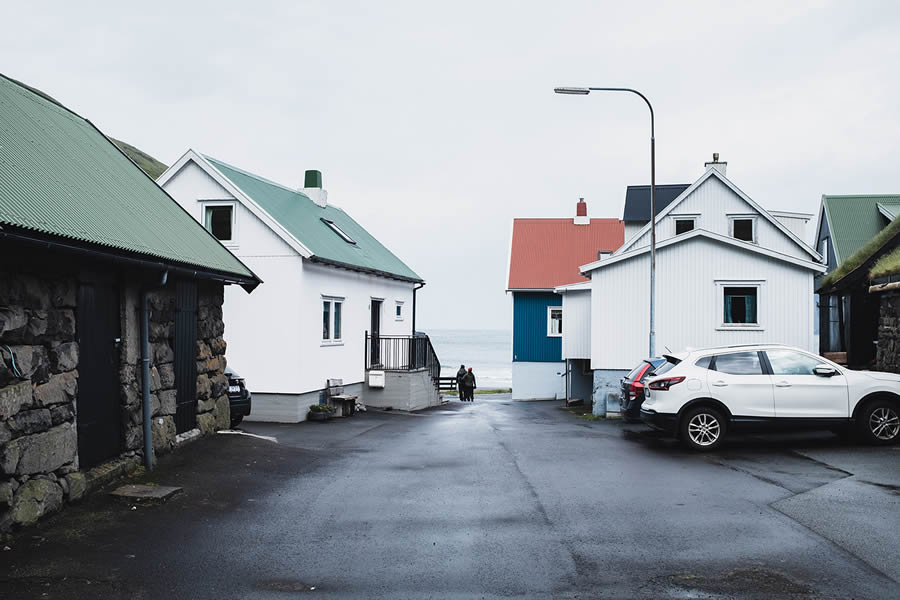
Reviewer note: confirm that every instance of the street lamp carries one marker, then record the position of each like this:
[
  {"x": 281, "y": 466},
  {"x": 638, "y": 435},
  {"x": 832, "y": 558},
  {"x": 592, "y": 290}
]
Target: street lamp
[{"x": 578, "y": 91}]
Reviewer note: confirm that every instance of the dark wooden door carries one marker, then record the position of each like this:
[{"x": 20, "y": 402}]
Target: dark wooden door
[
  {"x": 185, "y": 346},
  {"x": 376, "y": 332},
  {"x": 98, "y": 406}
]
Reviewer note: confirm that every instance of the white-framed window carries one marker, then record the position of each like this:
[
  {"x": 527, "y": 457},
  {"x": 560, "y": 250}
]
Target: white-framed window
[
  {"x": 335, "y": 228},
  {"x": 742, "y": 227},
  {"x": 398, "y": 310},
  {"x": 740, "y": 305},
  {"x": 554, "y": 321},
  {"x": 684, "y": 224},
  {"x": 823, "y": 249},
  {"x": 220, "y": 219},
  {"x": 332, "y": 320}
]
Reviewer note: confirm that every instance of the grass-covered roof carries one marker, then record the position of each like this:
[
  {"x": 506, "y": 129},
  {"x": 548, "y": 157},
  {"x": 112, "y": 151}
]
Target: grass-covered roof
[{"x": 865, "y": 254}]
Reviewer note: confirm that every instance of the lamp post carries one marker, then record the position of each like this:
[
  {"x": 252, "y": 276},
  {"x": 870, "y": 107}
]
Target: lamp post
[{"x": 584, "y": 92}]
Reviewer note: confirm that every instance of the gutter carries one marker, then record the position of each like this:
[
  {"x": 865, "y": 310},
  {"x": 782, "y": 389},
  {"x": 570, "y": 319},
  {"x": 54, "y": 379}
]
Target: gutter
[
  {"x": 349, "y": 267},
  {"x": 415, "y": 289}
]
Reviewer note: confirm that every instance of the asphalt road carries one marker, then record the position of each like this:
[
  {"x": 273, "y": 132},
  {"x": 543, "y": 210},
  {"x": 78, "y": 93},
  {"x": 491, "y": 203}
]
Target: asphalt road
[{"x": 493, "y": 499}]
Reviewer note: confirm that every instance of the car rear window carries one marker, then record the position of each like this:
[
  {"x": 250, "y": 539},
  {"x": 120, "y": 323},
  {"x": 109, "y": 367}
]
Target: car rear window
[
  {"x": 664, "y": 368},
  {"x": 739, "y": 363},
  {"x": 634, "y": 372}
]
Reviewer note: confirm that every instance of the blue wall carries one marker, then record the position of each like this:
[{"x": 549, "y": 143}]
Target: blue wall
[{"x": 530, "y": 341}]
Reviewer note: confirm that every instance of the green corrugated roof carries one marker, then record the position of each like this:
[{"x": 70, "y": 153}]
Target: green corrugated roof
[
  {"x": 854, "y": 220},
  {"x": 60, "y": 176},
  {"x": 302, "y": 217}
]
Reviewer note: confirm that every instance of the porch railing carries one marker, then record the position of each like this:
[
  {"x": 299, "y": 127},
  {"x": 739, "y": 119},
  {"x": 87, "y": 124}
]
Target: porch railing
[{"x": 402, "y": 353}]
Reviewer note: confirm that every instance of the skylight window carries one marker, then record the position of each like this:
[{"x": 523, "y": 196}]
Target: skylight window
[{"x": 339, "y": 231}]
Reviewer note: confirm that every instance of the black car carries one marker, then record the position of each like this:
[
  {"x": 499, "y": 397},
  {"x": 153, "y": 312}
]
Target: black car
[
  {"x": 238, "y": 397},
  {"x": 633, "y": 388}
]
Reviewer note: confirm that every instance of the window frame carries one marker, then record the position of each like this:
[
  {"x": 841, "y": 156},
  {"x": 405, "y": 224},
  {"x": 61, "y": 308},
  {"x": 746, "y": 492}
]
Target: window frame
[
  {"x": 333, "y": 319},
  {"x": 337, "y": 229},
  {"x": 398, "y": 305},
  {"x": 550, "y": 310},
  {"x": 205, "y": 205},
  {"x": 759, "y": 284},
  {"x": 691, "y": 218},
  {"x": 754, "y": 222}
]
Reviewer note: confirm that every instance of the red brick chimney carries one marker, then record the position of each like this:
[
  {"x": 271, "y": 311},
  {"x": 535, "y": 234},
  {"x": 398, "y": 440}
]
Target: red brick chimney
[{"x": 581, "y": 217}]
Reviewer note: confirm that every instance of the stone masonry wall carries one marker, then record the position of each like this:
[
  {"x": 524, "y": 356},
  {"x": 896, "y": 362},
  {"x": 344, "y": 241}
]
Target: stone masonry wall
[
  {"x": 888, "y": 356},
  {"x": 38, "y": 438},
  {"x": 39, "y": 467}
]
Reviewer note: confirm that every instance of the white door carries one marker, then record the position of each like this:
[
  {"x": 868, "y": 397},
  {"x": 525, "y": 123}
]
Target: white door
[
  {"x": 800, "y": 393},
  {"x": 741, "y": 384}
]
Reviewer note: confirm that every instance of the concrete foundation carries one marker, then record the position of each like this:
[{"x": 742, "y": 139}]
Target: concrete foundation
[
  {"x": 291, "y": 408},
  {"x": 607, "y": 392},
  {"x": 407, "y": 390},
  {"x": 538, "y": 380}
]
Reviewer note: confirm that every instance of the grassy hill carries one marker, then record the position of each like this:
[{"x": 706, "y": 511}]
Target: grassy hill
[{"x": 150, "y": 165}]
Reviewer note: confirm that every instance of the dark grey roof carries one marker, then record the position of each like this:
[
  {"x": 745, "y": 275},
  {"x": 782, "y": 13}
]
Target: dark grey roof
[{"x": 637, "y": 200}]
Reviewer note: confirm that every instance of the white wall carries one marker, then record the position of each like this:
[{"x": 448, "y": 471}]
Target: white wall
[
  {"x": 538, "y": 380},
  {"x": 796, "y": 223},
  {"x": 631, "y": 230},
  {"x": 576, "y": 339},
  {"x": 274, "y": 335},
  {"x": 712, "y": 203},
  {"x": 688, "y": 302}
]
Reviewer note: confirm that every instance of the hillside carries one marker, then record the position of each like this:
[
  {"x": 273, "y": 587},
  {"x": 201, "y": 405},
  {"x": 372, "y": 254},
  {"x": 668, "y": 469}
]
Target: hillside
[{"x": 150, "y": 165}]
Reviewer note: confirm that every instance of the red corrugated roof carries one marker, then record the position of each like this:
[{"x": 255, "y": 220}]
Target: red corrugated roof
[{"x": 547, "y": 252}]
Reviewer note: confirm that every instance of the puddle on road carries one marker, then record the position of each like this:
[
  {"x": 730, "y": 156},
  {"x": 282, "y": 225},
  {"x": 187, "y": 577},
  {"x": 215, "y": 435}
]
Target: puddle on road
[
  {"x": 287, "y": 585},
  {"x": 753, "y": 583}
]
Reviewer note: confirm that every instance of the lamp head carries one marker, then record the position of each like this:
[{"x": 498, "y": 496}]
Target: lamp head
[{"x": 575, "y": 91}]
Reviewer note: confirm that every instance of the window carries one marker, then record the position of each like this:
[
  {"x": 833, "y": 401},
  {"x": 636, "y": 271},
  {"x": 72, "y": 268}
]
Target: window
[
  {"x": 219, "y": 220},
  {"x": 788, "y": 362},
  {"x": 703, "y": 363},
  {"x": 742, "y": 228},
  {"x": 331, "y": 319},
  {"x": 398, "y": 311},
  {"x": 333, "y": 226},
  {"x": 739, "y": 363},
  {"x": 683, "y": 225},
  {"x": 823, "y": 249},
  {"x": 740, "y": 306},
  {"x": 554, "y": 321}
]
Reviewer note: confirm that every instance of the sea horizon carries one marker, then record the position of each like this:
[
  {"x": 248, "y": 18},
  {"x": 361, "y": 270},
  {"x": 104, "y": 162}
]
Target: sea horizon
[{"x": 487, "y": 351}]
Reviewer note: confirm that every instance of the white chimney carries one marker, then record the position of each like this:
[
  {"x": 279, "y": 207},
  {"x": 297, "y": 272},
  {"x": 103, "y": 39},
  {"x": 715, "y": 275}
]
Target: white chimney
[
  {"x": 581, "y": 216},
  {"x": 716, "y": 164},
  {"x": 312, "y": 187}
]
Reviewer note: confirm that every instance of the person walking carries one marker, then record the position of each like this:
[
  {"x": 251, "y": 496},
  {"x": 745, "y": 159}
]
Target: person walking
[
  {"x": 459, "y": 377},
  {"x": 469, "y": 385}
]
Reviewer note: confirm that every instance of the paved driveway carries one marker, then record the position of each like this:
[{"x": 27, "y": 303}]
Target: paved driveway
[{"x": 493, "y": 499}]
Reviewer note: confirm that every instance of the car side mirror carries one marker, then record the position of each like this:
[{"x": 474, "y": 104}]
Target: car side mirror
[{"x": 825, "y": 371}]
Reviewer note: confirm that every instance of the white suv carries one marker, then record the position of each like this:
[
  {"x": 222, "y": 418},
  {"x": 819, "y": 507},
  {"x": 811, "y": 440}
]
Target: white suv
[{"x": 700, "y": 395}]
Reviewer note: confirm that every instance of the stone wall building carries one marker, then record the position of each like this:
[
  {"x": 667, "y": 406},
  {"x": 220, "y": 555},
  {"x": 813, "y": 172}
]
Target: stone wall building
[{"x": 92, "y": 252}]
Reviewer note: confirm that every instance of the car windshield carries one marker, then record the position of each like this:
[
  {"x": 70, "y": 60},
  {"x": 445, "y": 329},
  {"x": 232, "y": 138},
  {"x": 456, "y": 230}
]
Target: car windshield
[{"x": 634, "y": 372}]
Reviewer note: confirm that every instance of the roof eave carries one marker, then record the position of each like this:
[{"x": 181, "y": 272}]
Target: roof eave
[{"x": 371, "y": 271}]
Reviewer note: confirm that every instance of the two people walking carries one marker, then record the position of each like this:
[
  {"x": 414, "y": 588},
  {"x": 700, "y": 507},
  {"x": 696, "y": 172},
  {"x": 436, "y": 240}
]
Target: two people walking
[{"x": 465, "y": 383}]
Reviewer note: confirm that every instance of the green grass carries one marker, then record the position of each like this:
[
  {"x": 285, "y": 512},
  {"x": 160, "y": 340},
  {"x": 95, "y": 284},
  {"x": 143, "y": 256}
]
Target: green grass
[
  {"x": 500, "y": 391},
  {"x": 858, "y": 258},
  {"x": 147, "y": 163},
  {"x": 887, "y": 265},
  {"x": 591, "y": 417}
]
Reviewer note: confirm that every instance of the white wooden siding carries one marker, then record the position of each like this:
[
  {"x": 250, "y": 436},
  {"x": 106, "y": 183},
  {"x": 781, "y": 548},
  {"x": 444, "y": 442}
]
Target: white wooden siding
[
  {"x": 631, "y": 229},
  {"x": 688, "y": 308},
  {"x": 711, "y": 204},
  {"x": 576, "y": 340}
]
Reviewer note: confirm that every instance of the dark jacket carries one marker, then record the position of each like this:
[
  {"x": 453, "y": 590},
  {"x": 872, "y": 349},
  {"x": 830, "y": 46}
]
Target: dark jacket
[
  {"x": 459, "y": 375},
  {"x": 468, "y": 380}
]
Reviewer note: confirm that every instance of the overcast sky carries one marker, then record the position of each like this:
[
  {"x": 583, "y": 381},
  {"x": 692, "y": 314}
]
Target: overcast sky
[{"x": 435, "y": 124}]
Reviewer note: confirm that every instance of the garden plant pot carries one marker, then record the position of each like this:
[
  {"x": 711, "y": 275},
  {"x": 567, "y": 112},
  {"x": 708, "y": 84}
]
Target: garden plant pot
[{"x": 318, "y": 416}]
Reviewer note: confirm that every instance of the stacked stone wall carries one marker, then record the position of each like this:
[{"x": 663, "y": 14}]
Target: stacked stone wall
[
  {"x": 39, "y": 467},
  {"x": 888, "y": 356},
  {"x": 38, "y": 436}
]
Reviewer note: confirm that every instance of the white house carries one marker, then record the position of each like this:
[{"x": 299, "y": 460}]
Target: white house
[
  {"x": 328, "y": 282},
  {"x": 727, "y": 272}
]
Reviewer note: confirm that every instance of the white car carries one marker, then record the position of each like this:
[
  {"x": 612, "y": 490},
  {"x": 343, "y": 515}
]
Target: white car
[{"x": 701, "y": 395}]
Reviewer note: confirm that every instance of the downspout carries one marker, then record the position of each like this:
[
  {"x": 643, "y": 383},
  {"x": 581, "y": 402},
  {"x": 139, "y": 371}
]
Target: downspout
[
  {"x": 145, "y": 374},
  {"x": 417, "y": 287}
]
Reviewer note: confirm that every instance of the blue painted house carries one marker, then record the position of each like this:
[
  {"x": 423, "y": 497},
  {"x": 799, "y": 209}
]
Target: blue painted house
[{"x": 545, "y": 254}]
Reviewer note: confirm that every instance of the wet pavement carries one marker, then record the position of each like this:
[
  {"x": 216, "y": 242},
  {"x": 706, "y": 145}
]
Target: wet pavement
[{"x": 493, "y": 499}]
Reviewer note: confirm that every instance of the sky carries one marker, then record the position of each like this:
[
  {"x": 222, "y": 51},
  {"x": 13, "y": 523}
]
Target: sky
[{"x": 435, "y": 123}]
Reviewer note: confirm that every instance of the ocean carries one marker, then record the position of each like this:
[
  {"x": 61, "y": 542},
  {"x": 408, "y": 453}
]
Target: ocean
[{"x": 488, "y": 352}]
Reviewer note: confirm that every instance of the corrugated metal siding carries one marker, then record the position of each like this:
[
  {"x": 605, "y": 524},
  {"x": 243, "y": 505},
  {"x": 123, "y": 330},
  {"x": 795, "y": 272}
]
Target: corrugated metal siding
[
  {"x": 688, "y": 304},
  {"x": 60, "y": 176},
  {"x": 713, "y": 201},
  {"x": 576, "y": 324},
  {"x": 530, "y": 340}
]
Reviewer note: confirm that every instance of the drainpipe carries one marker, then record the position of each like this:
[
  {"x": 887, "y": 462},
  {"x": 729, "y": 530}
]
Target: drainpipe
[
  {"x": 145, "y": 374},
  {"x": 417, "y": 287}
]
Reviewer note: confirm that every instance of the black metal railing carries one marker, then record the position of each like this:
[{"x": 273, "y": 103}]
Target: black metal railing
[{"x": 402, "y": 353}]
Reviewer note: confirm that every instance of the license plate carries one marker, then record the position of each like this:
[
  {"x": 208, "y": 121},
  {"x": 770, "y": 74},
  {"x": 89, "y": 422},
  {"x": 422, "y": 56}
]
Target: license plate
[{"x": 234, "y": 388}]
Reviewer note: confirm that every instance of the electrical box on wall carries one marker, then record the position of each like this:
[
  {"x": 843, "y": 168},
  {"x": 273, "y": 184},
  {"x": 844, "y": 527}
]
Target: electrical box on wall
[{"x": 376, "y": 379}]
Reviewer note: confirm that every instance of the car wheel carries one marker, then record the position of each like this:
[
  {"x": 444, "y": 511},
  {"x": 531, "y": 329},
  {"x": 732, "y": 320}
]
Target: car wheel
[
  {"x": 879, "y": 422},
  {"x": 235, "y": 421},
  {"x": 703, "y": 428}
]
